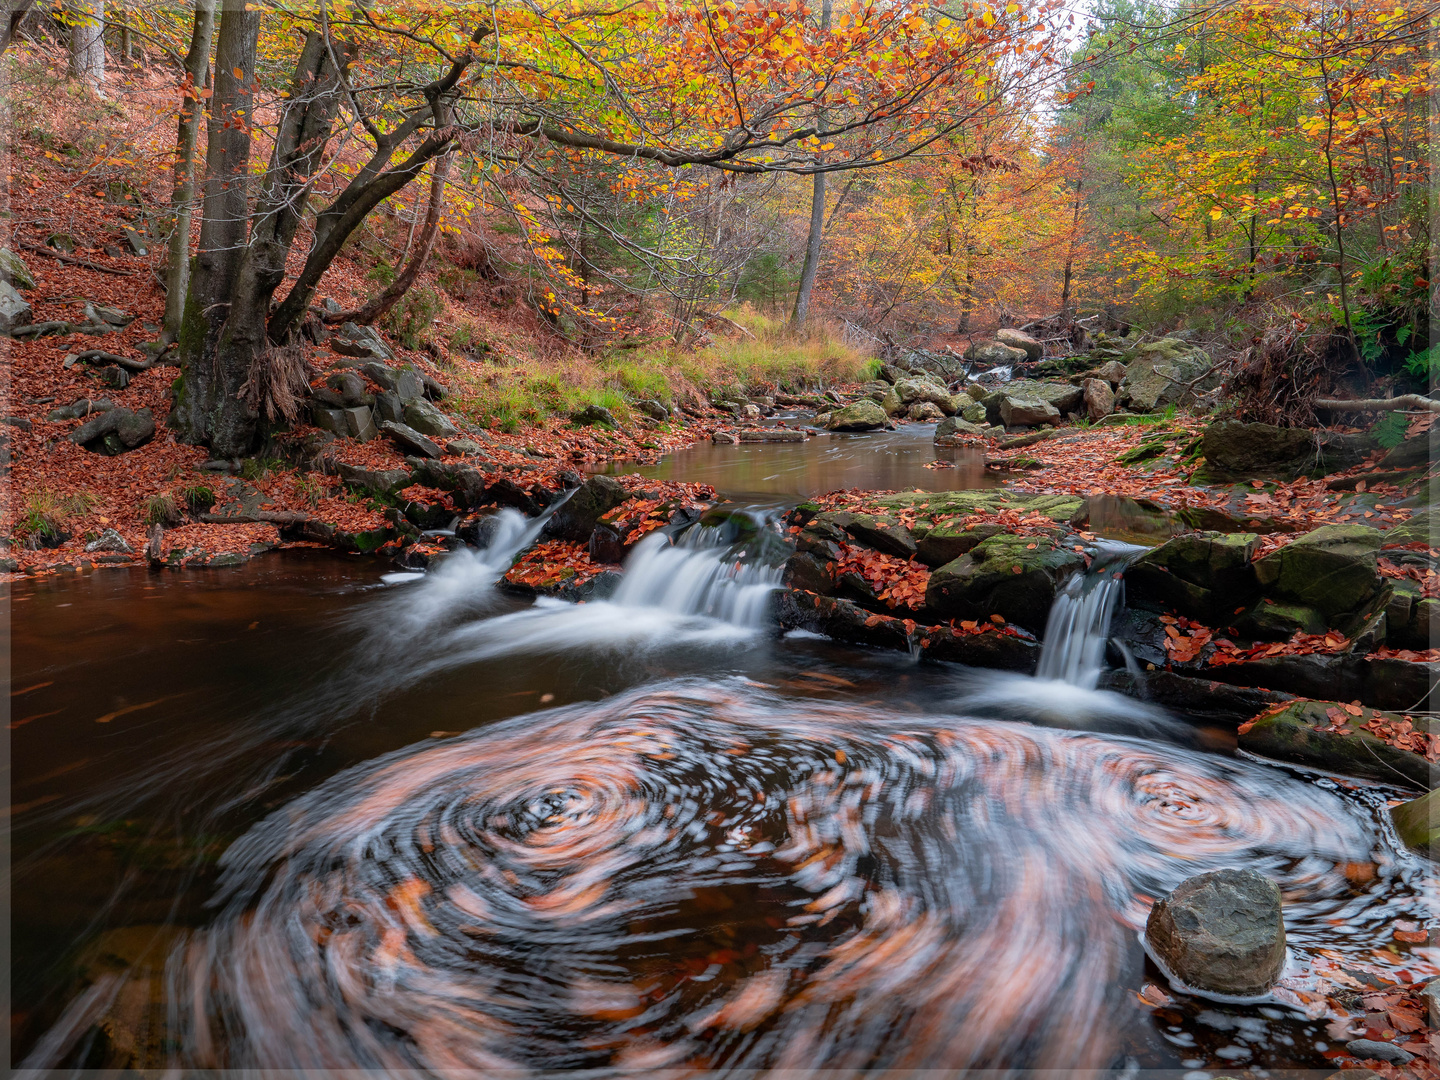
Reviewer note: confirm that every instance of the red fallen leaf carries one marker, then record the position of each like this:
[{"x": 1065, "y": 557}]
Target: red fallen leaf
[
  {"x": 998, "y": 620},
  {"x": 1016, "y": 570},
  {"x": 1413, "y": 937},
  {"x": 1353, "y": 708}
]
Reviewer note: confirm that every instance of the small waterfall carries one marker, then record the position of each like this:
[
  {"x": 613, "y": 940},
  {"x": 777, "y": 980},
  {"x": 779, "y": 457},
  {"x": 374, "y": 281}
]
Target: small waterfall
[
  {"x": 700, "y": 574},
  {"x": 1079, "y": 622}
]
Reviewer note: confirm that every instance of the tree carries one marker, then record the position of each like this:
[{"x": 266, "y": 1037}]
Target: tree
[
  {"x": 193, "y": 85},
  {"x": 86, "y": 19},
  {"x": 817, "y": 214},
  {"x": 730, "y": 88}
]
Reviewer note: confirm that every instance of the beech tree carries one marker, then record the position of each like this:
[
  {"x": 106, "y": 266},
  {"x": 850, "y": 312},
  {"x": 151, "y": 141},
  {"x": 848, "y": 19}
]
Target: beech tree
[{"x": 738, "y": 88}]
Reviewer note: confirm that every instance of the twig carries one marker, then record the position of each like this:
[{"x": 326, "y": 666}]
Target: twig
[
  {"x": 86, "y": 263},
  {"x": 104, "y": 358}
]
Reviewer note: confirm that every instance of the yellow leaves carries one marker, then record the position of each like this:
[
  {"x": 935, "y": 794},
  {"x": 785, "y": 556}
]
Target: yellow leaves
[{"x": 239, "y": 73}]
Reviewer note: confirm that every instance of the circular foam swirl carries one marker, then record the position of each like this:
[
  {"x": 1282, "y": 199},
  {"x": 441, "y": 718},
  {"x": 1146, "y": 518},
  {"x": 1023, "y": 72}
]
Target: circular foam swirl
[{"x": 710, "y": 875}]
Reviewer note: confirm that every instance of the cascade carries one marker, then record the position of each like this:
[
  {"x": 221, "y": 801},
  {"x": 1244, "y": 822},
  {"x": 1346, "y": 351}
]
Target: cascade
[{"x": 1079, "y": 623}]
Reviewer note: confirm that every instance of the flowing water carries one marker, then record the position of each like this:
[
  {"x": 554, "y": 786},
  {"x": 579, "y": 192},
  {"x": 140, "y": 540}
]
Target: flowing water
[{"x": 306, "y": 814}]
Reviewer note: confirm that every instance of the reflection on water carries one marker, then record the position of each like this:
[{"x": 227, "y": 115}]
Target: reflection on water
[{"x": 884, "y": 460}]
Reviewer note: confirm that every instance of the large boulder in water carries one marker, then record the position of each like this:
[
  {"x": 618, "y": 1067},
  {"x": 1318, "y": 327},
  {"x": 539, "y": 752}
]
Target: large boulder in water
[
  {"x": 1332, "y": 569},
  {"x": 860, "y": 416},
  {"x": 1015, "y": 577},
  {"x": 577, "y": 518},
  {"x": 1220, "y": 933}
]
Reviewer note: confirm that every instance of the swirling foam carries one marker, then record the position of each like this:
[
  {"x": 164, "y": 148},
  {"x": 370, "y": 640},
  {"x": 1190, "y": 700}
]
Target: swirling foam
[{"x": 709, "y": 875}]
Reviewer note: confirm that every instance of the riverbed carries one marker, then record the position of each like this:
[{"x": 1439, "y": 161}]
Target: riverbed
[{"x": 308, "y": 813}]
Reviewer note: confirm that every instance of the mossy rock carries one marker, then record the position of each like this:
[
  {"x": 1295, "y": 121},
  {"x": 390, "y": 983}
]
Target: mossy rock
[
  {"x": 1420, "y": 529},
  {"x": 1272, "y": 621},
  {"x": 1292, "y": 735},
  {"x": 1418, "y": 824},
  {"x": 1015, "y": 577},
  {"x": 1332, "y": 569},
  {"x": 945, "y": 543},
  {"x": 1062, "y": 509},
  {"x": 863, "y": 415},
  {"x": 1201, "y": 574}
]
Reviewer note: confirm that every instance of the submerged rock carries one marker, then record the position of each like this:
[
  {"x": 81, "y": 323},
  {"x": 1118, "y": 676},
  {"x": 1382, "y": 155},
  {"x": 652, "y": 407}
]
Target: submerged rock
[{"x": 1220, "y": 932}]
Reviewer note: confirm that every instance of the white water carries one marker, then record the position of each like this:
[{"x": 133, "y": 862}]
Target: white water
[
  {"x": 1073, "y": 649},
  {"x": 699, "y": 591},
  {"x": 1063, "y": 691}
]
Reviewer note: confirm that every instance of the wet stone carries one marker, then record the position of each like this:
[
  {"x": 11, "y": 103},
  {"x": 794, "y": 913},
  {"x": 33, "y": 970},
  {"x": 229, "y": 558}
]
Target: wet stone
[{"x": 1220, "y": 933}]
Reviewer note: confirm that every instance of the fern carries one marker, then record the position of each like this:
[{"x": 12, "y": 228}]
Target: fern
[{"x": 1389, "y": 432}]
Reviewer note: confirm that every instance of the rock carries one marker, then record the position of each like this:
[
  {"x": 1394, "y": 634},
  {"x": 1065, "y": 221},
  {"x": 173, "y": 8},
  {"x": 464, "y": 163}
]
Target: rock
[
  {"x": 14, "y": 309},
  {"x": 360, "y": 423},
  {"x": 973, "y": 413},
  {"x": 909, "y": 391},
  {"x": 950, "y": 430},
  {"x": 1271, "y": 621},
  {"x": 1018, "y": 412},
  {"x": 381, "y": 480},
  {"x": 925, "y": 412},
  {"x": 78, "y": 408},
  {"x": 1018, "y": 339},
  {"x": 62, "y": 242},
  {"x": 1423, "y": 528},
  {"x": 110, "y": 540},
  {"x": 409, "y": 386},
  {"x": 1112, "y": 371},
  {"x": 13, "y": 270},
  {"x": 17, "y": 422},
  {"x": 428, "y": 420},
  {"x": 1414, "y": 452},
  {"x": 1004, "y": 575},
  {"x": 466, "y": 482},
  {"x": 1099, "y": 399},
  {"x": 364, "y": 342},
  {"x": 383, "y": 375},
  {"x": 890, "y": 401},
  {"x": 725, "y": 438},
  {"x": 991, "y": 649},
  {"x": 861, "y": 416},
  {"x": 1332, "y": 569},
  {"x": 592, "y": 415},
  {"x": 769, "y": 435},
  {"x": 995, "y": 353},
  {"x": 892, "y": 374},
  {"x": 136, "y": 242},
  {"x": 653, "y": 409},
  {"x": 1159, "y": 373},
  {"x": 1205, "y": 575},
  {"x": 841, "y": 619},
  {"x": 577, "y": 518},
  {"x": 1064, "y": 397},
  {"x": 807, "y": 573},
  {"x": 465, "y": 448},
  {"x": 328, "y": 418},
  {"x": 1431, "y": 997},
  {"x": 1370, "y": 1049},
  {"x": 349, "y": 386},
  {"x": 750, "y": 412},
  {"x": 388, "y": 406},
  {"x": 129, "y": 430},
  {"x": 1256, "y": 449},
  {"x": 605, "y": 545},
  {"x": 1220, "y": 933},
  {"x": 408, "y": 439},
  {"x": 1294, "y": 734},
  {"x": 1417, "y": 823},
  {"x": 944, "y": 363}
]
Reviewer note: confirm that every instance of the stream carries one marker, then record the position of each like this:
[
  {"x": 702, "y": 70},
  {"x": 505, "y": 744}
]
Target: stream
[{"x": 308, "y": 813}]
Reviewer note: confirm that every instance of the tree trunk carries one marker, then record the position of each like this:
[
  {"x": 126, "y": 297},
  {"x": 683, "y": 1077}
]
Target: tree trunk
[
  {"x": 402, "y": 283},
  {"x": 87, "y": 42},
  {"x": 177, "y": 269},
  {"x": 224, "y": 337},
  {"x": 817, "y": 217}
]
